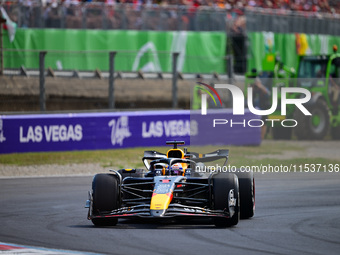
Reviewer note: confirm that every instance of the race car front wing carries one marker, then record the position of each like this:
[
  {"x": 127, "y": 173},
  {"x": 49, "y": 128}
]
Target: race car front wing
[{"x": 174, "y": 210}]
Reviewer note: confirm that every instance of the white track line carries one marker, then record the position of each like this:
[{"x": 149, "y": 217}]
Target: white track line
[{"x": 8, "y": 248}]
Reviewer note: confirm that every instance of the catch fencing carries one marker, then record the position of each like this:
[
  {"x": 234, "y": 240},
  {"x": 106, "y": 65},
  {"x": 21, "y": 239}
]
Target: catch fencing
[
  {"x": 286, "y": 21},
  {"x": 98, "y": 15},
  {"x": 122, "y": 16}
]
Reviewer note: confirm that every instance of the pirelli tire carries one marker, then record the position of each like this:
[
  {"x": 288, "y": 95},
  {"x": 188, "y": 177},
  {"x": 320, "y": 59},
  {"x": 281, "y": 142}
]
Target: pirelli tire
[
  {"x": 315, "y": 126},
  {"x": 223, "y": 183},
  {"x": 105, "y": 195},
  {"x": 247, "y": 194}
]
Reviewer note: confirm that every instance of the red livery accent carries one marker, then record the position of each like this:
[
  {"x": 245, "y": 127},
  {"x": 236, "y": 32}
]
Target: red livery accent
[{"x": 8, "y": 247}]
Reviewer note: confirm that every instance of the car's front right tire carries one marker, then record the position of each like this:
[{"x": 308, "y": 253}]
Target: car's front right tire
[
  {"x": 105, "y": 195},
  {"x": 247, "y": 194}
]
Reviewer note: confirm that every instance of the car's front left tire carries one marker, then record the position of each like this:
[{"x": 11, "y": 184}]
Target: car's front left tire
[{"x": 223, "y": 183}]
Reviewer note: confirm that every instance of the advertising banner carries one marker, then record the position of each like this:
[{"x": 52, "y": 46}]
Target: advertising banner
[
  {"x": 93, "y": 131},
  {"x": 149, "y": 51}
]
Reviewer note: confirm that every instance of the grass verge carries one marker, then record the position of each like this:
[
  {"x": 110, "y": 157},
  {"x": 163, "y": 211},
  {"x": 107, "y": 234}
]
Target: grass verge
[{"x": 127, "y": 158}]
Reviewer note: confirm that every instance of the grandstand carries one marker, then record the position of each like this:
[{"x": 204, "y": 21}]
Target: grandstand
[{"x": 196, "y": 15}]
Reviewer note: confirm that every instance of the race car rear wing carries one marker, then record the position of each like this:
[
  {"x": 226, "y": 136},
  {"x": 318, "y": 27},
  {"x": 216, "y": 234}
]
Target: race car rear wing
[
  {"x": 152, "y": 155},
  {"x": 208, "y": 157},
  {"x": 194, "y": 156}
]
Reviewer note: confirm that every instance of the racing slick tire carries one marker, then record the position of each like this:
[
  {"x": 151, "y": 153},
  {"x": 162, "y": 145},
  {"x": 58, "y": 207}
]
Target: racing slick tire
[
  {"x": 315, "y": 126},
  {"x": 105, "y": 194},
  {"x": 247, "y": 194},
  {"x": 222, "y": 184}
]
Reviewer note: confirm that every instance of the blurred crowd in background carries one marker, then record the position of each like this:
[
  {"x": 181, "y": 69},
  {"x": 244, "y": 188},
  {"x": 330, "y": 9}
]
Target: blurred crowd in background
[
  {"x": 192, "y": 15},
  {"x": 329, "y": 6}
]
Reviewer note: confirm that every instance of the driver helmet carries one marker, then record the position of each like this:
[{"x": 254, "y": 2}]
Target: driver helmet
[{"x": 177, "y": 169}]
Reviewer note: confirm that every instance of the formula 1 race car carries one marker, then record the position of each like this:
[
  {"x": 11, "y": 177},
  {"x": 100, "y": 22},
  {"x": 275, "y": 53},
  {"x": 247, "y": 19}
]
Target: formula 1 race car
[{"x": 176, "y": 185}]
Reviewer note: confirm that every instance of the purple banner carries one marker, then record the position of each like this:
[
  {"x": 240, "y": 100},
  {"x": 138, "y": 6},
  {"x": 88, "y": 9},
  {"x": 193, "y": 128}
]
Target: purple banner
[
  {"x": 93, "y": 131},
  {"x": 221, "y": 127}
]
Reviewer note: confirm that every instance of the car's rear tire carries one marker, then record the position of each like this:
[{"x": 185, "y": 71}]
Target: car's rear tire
[
  {"x": 247, "y": 194},
  {"x": 222, "y": 184},
  {"x": 105, "y": 193}
]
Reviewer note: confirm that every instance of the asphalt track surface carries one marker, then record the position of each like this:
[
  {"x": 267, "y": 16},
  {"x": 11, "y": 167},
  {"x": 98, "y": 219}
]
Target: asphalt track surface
[{"x": 295, "y": 214}]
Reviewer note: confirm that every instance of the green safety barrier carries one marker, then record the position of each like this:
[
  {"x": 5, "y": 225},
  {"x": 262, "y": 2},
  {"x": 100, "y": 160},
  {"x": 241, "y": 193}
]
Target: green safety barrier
[
  {"x": 288, "y": 46},
  {"x": 70, "y": 49}
]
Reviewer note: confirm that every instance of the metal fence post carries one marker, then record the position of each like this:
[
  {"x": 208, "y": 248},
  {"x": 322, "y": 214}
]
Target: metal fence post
[
  {"x": 83, "y": 17},
  {"x": 42, "y": 98},
  {"x": 2, "y": 20},
  {"x": 111, "y": 79},
  {"x": 1, "y": 51},
  {"x": 230, "y": 73},
  {"x": 230, "y": 68},
  {"x": 174, "y": 80},
  {"x": 104, "y": 17}
]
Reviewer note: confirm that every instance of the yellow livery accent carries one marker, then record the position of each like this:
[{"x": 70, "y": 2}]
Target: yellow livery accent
[
  {"x": 175, "y": 153},
  {"x": 160, "y": 201}
]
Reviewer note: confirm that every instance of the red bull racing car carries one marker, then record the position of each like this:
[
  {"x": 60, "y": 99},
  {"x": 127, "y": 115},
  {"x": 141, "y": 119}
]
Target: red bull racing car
[{"x": 175, "y": 185}]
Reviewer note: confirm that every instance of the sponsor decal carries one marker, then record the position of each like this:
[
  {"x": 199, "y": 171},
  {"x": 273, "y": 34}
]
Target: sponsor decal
[
  {"x": 148, "y": 56},
  {"x": 119, "y": 130},
  {"x": 51, "y": 133},
  {"x": 171, "y": 128},
  {"x": 232, "y": 199}
]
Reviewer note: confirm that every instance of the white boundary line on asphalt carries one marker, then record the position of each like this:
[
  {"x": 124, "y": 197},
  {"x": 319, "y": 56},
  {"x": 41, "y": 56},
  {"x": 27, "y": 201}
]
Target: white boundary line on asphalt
[
  {"x": 31, "y": 250},
  {"x": 44, "y": 176}
]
